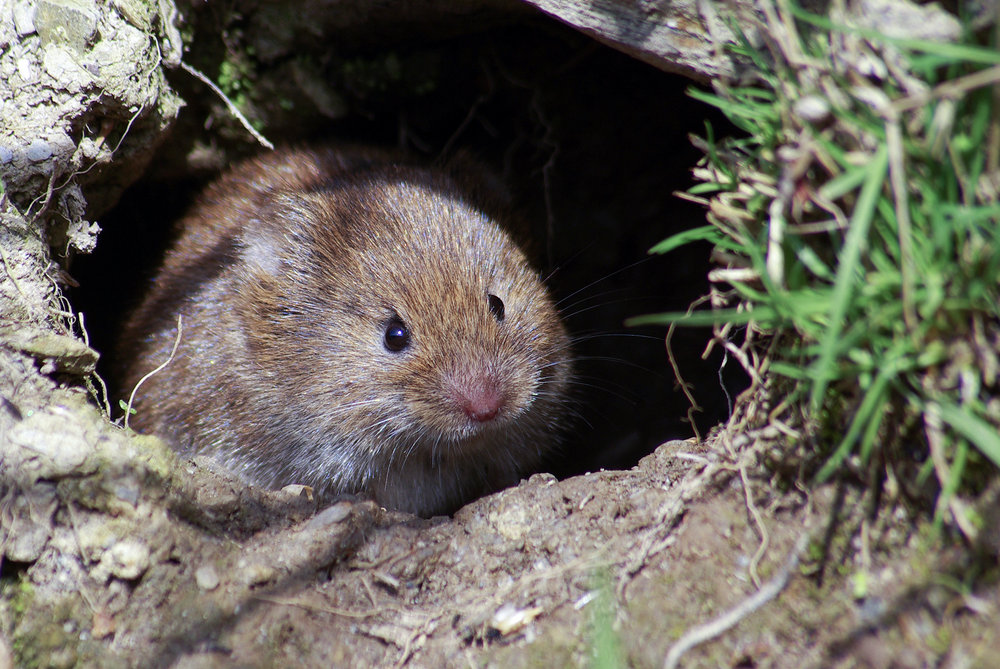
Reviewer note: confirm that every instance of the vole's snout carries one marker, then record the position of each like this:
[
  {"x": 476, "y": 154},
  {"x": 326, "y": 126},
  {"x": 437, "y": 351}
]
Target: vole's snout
[{"x": 480, "y": 399}]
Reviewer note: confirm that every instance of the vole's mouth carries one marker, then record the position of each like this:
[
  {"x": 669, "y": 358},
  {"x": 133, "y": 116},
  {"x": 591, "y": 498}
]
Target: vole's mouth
[
  {"x": 472, "y": 431},
  {"x": 471, "y": 434}
]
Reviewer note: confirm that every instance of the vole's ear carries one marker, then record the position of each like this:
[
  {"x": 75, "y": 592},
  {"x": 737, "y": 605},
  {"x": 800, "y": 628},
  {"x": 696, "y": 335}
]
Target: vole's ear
[
  {"x": 263, "y": 240},
  {"x": 260, "y": 251}
]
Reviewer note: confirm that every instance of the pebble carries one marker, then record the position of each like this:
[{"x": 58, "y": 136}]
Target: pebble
[
  {"x": 331, "y": 516},
  {"x": 50, "y": 444},
  {"x": 39, "y": 150},
  {"x": 296, "y": 490},
  {"x": 206, "y": 577},
  {"x": 255, "y": 574},
  {"x": 24, "y": 18},
  {"x": 129, "y": 559}
]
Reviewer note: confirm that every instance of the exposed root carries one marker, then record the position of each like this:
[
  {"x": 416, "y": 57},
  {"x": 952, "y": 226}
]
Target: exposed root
[
  {"x": 710, "y": 630},
  {"x": 177, "y": 341}
]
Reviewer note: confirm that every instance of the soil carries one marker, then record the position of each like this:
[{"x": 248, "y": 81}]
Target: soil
[
  {"x": 114, "y": 552},
  {"x": 147, "y": 560}
]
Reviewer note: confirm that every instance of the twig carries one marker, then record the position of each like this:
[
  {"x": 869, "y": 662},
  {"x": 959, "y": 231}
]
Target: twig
[
  {"x": 419, "y": 636},
  {"x": 765, "y": 538},
  {"x": 177, "y": 341},
  {"x": 229, "y": 103},
  {"x": 993, "y": 136},
  {"x": 345, "y": 613},
  {"x": 104, "y": 387},
  {"x": 104, "y": 395},
  {"x": 471, "y": 115},
  {"x": 46, "y": 200},
  {"x": 770, "y": 590},
  {"x": 730, "y": 276},
  {"x": 547, "y": 141},
  {"x": 774, "y": 262},
  {"x": 52, "y": 188},
  {"x": 685, "y": 387},
  {"x": 950, "y": 89},
  {"x": 102, "y": 137},
  {"x": 749, "y": 367}
]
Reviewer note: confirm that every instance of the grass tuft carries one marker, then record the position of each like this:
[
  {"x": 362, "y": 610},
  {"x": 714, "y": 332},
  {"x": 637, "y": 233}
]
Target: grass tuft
[{"x": 855, "y": 223}]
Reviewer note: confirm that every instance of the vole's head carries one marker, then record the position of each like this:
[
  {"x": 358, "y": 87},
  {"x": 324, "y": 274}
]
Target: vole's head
[{"x": 415, "y": 322}]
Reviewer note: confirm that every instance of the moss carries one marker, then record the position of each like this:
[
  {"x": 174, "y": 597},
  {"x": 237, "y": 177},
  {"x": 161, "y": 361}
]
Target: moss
[
  {"x": 416, "y": 73},
  {"x": 156, "y": 456},
  {"x": 17, "y": 596},
  {"x": 236, "y": 73},
  {"x": 556, "y": 648},
  {"x": 48, "y": 635}
]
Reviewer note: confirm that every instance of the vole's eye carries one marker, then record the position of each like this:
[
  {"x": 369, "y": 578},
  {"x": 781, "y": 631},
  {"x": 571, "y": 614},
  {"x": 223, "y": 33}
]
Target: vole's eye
[
  {"x": 496, "y": 307},
  {"x": 397, "y": 337}
]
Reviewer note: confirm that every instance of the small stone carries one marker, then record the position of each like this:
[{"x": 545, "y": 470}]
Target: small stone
[
  {"x": 61, "y": 64},
  {"x": 6, "y": 155},
  {"x": 295, "y": 490},
  {"x": 136, "y": 12},
  {"x": 24, "y": 18},
  {"x": 542, "y": 479},
  {"x": 72, "y": 22},
  {"x": 510, "y": 520},
  {"x": 103, "y": 624},
  {"x": 255, "y": 574},
  {"x": 67, "y": 354},
  {"x": 87, "y": 147},
  {"x": 206, "y": 577},
  {"x": 39, "y": 150},
  {"x": 82, "y": 235},
  {"x": 50, "y": 444},
  {"x": 331, "y": 516},
  {"x": 908, "y": 20},
  {"x": 128, "y": 494},
  {"x": 26, "y": 70},
  {"x": 129, "y": 559}
]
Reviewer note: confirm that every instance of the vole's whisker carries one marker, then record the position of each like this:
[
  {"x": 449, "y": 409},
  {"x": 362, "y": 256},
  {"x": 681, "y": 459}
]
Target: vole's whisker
[{"x": 603, "y": 278}]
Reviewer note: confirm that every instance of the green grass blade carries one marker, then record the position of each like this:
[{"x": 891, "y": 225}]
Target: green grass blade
[
  {"x": 982, "y": 435},
  {"x": 704, "y": 233},
  {"x": 843, "y": 183},
  {"x": 873, "y": 400},
  {"x": 849, "y": 260},
  {"x": 761, "y": 314}
]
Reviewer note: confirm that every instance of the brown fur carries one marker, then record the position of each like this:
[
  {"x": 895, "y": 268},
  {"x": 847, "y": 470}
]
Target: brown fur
[{"x": 286, "y": 273}]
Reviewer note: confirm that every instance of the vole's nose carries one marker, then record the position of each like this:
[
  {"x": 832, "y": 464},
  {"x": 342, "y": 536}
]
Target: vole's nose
[{"x": 480, "y": 398}]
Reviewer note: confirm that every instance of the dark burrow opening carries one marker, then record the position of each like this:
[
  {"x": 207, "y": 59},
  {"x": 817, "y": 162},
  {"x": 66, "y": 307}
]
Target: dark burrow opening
[{"x": 591, "y": 143}]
